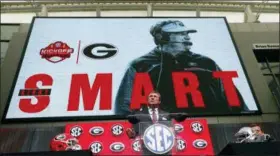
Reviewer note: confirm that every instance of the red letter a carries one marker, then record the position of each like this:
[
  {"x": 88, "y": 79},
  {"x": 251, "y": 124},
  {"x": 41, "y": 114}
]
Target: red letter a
[
  {"x": 80, "y": 84},
  {"x": 141, "y": 89},
  {"x": 181, "y": 89}
]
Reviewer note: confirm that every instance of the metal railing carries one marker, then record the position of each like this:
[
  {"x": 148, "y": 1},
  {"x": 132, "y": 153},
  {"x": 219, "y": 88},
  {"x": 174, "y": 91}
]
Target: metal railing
[{"x": 82, "y": 5}]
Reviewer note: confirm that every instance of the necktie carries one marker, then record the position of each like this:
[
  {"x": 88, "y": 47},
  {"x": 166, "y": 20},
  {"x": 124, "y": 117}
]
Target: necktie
[{"x": 154, "y": 116}]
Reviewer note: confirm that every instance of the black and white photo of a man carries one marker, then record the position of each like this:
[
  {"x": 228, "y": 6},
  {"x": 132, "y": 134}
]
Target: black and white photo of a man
[{"x": 172, "y": 54}]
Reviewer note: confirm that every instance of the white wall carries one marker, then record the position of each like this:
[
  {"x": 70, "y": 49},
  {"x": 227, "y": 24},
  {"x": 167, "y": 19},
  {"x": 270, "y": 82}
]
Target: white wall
[
  {"x": 173, "y": 13},
  {"x": 17, "y": 17},
  {"x": 232, "y": 17},
  {"x": 74, "y": 13},
  {"x": 124, "y": 13},
  {"x": 269, "y": 17}
]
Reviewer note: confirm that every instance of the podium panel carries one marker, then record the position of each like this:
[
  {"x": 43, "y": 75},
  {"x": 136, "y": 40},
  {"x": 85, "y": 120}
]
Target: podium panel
[{"x": 191, "y": 137}]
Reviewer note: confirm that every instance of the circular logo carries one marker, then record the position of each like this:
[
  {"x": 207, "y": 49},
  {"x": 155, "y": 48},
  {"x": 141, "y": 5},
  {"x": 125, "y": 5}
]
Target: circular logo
[
  {"x": 178, "y": 128},
  {"x": 77, "y": 147},
  {"x": 158, "y": 139},
  {"x": 96, "y": 130},
  {"x": 76, "y": 131},
  {"x": 96, "y": 147},
  {"x": 117, "y": 147},
  {"x": 117, "y": 129},
  {"x": 200, "y": 143},
  {"x": 196, "y": 127},
  {"x": 60, "y": 137},
  {"x": 181, "y": 144},
  {"x": 74, "y": 148},
  {"x": 136, "y": 146}
]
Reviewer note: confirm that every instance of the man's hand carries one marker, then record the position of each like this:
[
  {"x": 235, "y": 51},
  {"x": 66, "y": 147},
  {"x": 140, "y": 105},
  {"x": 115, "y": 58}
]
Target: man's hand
[{"x": 130, "y": 133}]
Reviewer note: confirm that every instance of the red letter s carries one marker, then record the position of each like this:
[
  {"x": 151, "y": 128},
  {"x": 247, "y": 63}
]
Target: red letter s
[{"x": 25, "y": 105}]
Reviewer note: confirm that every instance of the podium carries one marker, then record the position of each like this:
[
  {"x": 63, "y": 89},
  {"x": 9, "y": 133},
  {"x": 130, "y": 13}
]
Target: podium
[
  {"x": 157, "y": 138},
  {"x": 252, "y": 149}
]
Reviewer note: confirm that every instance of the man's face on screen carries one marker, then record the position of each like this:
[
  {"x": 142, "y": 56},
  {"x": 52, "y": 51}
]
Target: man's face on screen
[
  {"x": 154, "y": 99},
  {"x": 178, "y": 42}
]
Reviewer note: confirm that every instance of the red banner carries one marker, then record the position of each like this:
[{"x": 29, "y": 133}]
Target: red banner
[{"x": 110, "y": 138}]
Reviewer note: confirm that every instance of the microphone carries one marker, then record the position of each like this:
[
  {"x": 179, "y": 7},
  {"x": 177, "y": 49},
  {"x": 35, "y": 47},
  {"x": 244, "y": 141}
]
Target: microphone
[
  {"x": 179, "y": 117},
  {"x": 132, "y": 119}
]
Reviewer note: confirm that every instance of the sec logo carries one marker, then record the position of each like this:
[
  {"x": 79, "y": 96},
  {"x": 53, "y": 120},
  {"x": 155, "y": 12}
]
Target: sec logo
[
  {"x": 76, "y": 131},
  {"x": 158, "y": 139},
  {"x": 196, "y": 127},
  {"x": 181, "y": 144},
  {"x": 117, "y": 129},
  {"x": 200, "y": 143},
  {"x": 96, "y": 130},
  {"x": 136, "y": 146},
  {"x": 96, "y": 147}
]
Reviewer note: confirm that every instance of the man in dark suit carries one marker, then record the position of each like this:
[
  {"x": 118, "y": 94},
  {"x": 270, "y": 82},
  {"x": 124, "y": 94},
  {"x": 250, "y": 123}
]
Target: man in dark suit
[
  {"x": 148, "y": 115},
  {"x": 259, "y": 135},
  {"x": 151, "y": 114}
]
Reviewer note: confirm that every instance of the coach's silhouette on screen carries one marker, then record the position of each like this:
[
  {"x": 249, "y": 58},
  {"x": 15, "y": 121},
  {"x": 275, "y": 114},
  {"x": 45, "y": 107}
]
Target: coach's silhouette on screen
[{"x": 172, "y": 54}]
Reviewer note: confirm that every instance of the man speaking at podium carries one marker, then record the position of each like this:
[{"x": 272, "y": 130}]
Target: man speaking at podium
[{"x": 151, "y": 114}]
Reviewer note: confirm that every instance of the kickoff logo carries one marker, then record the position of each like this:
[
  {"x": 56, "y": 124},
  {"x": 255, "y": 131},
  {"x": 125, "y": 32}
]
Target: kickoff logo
[
  {"x": 159, "y": 139},
  {"x": 56, "y": 52}
]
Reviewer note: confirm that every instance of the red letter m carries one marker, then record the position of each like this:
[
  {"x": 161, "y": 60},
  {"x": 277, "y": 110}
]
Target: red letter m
[{"x": 80, "y": 85}]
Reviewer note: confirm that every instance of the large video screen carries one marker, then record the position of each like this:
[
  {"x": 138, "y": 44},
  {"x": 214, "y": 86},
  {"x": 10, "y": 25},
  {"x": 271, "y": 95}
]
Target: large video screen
[{"x": 103, "y": 68}]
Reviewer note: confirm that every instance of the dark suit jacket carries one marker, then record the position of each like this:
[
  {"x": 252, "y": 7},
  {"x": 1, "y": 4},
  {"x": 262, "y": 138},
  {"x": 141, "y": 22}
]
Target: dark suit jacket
[{"x": 144, "y": 119}]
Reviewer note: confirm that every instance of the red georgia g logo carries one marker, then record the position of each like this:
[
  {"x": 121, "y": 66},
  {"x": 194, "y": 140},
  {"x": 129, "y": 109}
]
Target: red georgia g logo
[{"x": 56, "y": 52}]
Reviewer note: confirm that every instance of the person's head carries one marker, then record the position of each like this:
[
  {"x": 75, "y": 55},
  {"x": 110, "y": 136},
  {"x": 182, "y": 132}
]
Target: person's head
[
  {"x": 154, "y": 99},
  {"x": 256, "y": 129},
  {"x": 172, "y": 36}
]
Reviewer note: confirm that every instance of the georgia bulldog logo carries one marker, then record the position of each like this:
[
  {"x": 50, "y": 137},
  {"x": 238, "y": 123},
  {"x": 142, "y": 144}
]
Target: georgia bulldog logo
[
  {"x": 56, "y": 52},
  {"x": 178, "y": 128},
  {"x": 200, "y": 143},
  {"x": 97, "y": 130},
  {"x": 60, "y": 137},
  {"x": 117, "y": 147}
]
